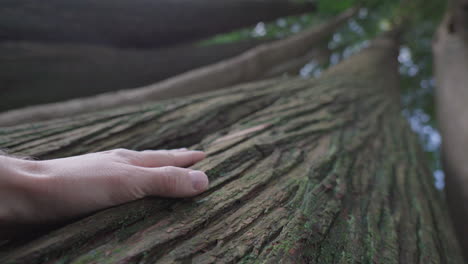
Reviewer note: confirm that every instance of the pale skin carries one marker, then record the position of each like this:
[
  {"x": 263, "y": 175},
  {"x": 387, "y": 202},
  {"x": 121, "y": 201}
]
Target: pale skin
[{"x": 35, "y": 192}]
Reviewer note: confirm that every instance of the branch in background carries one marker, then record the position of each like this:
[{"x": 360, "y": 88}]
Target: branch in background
[
  {"x": 34, "y": 73},
  {"x": 136, "y": 23},
  {"x": 243, "y": 68}
]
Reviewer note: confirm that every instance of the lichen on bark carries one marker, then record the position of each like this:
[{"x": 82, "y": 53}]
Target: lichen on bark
[{"x": 301, "y": 170}]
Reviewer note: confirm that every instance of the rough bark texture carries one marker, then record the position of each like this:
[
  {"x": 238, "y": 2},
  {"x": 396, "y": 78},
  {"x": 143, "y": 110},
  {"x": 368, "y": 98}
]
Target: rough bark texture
[
  {"x": 34, "y": 73},
  {"x": 302, "y": 171},
  {"x": 136, "y": 23},
  {"x": 248, "y": 66},
  {"x": 451, "y": 68}
]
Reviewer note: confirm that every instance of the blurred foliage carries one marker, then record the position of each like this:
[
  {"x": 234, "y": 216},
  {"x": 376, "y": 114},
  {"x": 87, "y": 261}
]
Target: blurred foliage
[
  {"x": 278, "y": 29},
  {"x": 418, "y": 20},
  {"x": 417, "y": 78},
  {"x": 334, "y": 7}
]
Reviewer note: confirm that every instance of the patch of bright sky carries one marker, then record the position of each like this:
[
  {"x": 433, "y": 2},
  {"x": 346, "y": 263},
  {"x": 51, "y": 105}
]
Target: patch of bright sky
[
  {"x": 353, "y": 49},
  {"x": 439, "y": 179},
  {"x": 295, "y": 28},
  {"x": 417, "y": 118},
  {"x": 311, "y": 69},
  {"x": 385, "y": 25},
  {"x": 419, "y": 122},
  {"x": 407, "y": 66},
  {"x": 355, "y": 27},
  {"x": 281, "y": 22},
  {"x": 363, "y": 12},
  {"x": 259, "y": 30}
]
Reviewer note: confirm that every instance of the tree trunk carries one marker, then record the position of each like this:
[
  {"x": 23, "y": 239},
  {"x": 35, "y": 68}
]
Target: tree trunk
[
  {"x": 137, "y": 23},
  {"x": 38, "y": 73},
  {"x": 302, "y": 171},
  {"x": 451, "y": 68},
  {"x": 319, "y": 54},
  {"x": 247, "y": 66}
]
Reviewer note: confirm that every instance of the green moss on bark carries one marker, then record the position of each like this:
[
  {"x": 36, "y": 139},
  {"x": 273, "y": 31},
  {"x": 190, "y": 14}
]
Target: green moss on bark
[{"x": 302, "y": 171}]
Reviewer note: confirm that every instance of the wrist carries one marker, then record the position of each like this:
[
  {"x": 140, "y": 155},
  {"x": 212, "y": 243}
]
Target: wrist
[{"x": 16, "y": 186}]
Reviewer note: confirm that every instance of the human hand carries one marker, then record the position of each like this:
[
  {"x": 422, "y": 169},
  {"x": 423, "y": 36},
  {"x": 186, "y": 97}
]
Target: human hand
[{"x": 51, "y": 190}]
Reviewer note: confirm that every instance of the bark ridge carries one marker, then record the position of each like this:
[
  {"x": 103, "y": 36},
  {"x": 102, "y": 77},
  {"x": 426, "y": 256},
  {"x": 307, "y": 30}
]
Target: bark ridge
[{"x": 302, "y": 171}]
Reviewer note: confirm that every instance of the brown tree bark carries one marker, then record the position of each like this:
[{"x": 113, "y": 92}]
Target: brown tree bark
[
  {"x": 136, "y": 23},
  {"x": 34, "y": 73},
  {"x": 302, "y": 171},
  {"x": 451, "y": 67},
  {"x": 245, "y": 67}
]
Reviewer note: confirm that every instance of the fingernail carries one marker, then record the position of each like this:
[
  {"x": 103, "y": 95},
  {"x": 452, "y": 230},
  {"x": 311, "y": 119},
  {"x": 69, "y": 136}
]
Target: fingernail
[
  {"x": 181, "y": 149},
  {"x": 199, "y": 180}
]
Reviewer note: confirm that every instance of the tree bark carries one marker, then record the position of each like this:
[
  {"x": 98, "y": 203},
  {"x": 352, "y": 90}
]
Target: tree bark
[
  {"x": 302, "y": 171},
  {"x": 451, "y": 66},
  {"x": 137, "y": 23},
  {"x": 245, "y": 67},
  {"x": 34, "y": 73}
]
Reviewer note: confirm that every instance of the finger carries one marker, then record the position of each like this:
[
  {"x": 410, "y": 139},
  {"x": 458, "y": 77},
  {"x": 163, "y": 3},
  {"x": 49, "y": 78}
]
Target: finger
[
  {"x": 180, "y": 149},
  {"x": 123, "y": 151},
  {"x": 172, "y": 182},
  {"x": 172, "y": 150},
  {"x": 160, "y": 158}
]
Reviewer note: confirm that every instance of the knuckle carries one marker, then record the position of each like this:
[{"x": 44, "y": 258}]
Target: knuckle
[
  {"x": 34, "y": 166},
  {"x": 129, "y": 182},
  {"x": 125, "y": 155},
  {"x": 170, "y": 170},
  {"x": 119, "y": 177},
  {"x": 134, "y": 182},
  {"x": 120, "y": 152},
  {"x": 169, "y": 179},
  {"x": 171, "y": 158}
]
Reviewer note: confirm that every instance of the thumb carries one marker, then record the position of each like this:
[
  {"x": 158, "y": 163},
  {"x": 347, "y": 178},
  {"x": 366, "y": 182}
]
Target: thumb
[{"x": 173, "y": 182}]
